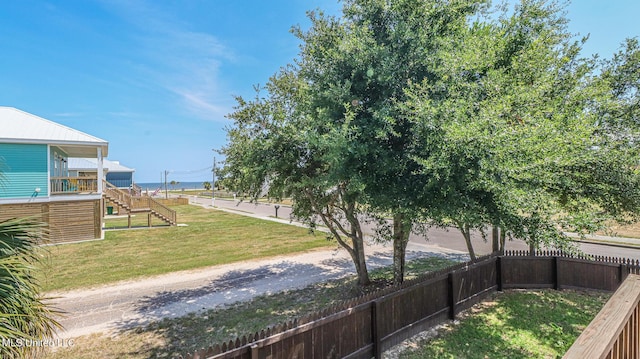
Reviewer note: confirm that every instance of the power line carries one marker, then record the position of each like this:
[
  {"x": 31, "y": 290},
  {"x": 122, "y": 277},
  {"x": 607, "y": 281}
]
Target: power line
[{"x": 202, "y": 170}]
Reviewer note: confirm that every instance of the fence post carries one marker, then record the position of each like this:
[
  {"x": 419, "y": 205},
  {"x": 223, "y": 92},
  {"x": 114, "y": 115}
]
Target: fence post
[
  {"x": 499, "y": 272},
  {"x": 554, "y": 269},
  {"x": 452, "y": 297},
  {"x": 624, "y": 272},
  {"x": 375, "y": 329}
]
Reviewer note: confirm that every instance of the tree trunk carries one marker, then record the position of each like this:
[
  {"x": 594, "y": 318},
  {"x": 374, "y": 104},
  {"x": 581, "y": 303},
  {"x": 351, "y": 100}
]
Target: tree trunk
[
  {"x": 401, "y": 231},
  {"x": 355, "y": 250},
  {"x": 495, "y": 234},
  {"x": 359, "y": 260},
  {"x": 503, "y": 241},
  {"x": 466, "y": 233},
  {"x": 340, "y": 232},
  {"x": 532, "y": 247},
  {"x": 357, "y": 241}
]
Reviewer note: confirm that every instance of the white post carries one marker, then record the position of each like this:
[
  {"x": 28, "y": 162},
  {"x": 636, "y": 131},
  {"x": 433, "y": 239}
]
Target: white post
[
  {"x": 100, "y": 190},
  {"x": 49, "y": 163},
  {"x": 100, "y": 170}
]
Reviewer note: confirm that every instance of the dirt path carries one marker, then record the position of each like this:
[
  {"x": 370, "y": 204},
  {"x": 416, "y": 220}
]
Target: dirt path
[{"x": 127, "y": 304}]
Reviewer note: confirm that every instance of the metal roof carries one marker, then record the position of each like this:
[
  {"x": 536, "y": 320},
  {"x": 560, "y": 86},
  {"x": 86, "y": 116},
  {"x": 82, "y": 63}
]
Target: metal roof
[
  {"x": 92, "y": 164},
  {"x": 17, "y": 126}
]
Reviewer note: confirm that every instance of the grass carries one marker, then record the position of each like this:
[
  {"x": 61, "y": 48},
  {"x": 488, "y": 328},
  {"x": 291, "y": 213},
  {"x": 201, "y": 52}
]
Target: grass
[
  {"x": 169, "y": 338},
  {"x": 513, "y": 324},
  {"x": 223, "y": 194},
  {"x": 631, "y": 230},
  {"x": 516, "y": 324},
  {"x": 137, "y": 222},
  {"x": 210, "y": 238}
]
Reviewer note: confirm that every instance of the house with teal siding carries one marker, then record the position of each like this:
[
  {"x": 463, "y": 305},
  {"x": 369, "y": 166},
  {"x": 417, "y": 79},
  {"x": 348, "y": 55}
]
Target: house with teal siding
[
  {"x": 35, "y": 179},
  {"x": 24, "y": 170}
]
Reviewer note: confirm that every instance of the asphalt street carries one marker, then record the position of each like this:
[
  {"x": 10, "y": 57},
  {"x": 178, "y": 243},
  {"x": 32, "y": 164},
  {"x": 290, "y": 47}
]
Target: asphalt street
[{"x": 450, "y": 239}]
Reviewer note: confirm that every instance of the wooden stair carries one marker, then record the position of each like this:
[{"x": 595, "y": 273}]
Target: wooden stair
[{"x": 139, "y": 204}]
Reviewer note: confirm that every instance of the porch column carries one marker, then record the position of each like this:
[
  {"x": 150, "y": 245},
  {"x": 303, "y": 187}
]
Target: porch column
[{"x": 100, "y": 170}]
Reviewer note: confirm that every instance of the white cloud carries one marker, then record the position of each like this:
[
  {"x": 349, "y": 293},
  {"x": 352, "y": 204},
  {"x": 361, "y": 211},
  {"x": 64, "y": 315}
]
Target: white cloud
[
  {"x": 169, "y": 55},
  {"x": 201, "y": 105},
  {"x": 188, "y": 65}
]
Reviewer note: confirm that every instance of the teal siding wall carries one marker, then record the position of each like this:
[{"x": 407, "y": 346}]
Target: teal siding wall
[{"x": 23, "y": 168}]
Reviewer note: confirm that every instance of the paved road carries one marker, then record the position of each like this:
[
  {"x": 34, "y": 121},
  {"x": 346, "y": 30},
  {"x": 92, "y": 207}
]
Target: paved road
[
  {"x": 451, "y": 239},
  {"x": 447, "y": 240}
]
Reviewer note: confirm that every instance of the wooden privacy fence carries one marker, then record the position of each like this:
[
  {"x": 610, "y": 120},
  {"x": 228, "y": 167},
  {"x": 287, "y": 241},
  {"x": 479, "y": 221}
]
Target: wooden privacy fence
[
  {"x": 367, "y": 326},
  {"x": 177, "y": 201}
]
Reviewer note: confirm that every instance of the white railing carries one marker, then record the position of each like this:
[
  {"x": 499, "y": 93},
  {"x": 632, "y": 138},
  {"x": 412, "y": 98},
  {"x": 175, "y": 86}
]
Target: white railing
[{"x": 74, "y": 185}]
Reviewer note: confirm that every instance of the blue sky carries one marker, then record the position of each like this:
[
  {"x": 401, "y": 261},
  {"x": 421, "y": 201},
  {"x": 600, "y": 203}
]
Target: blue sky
[{"x": 156, "y": 78}]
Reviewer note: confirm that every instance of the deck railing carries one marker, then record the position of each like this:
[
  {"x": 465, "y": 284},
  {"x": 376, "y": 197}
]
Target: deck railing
[
  {"x": 74, "y": 185},
  {"x": 136, "y": 190},
  {"x": 136, "y": 204},
  {"x": 163, "y": 210},
  {"x": 116, "y": 193},
  {"x": 615, "y": 332}
]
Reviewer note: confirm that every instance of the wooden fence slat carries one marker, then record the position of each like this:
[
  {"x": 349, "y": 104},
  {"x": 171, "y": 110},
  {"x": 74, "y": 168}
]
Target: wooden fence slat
[{"x": 368, "y": 325}]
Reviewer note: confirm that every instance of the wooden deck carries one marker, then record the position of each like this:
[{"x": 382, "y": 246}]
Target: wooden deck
[
  {"x": 614, "y": 332},
  {"x": 73, "y": 185}
]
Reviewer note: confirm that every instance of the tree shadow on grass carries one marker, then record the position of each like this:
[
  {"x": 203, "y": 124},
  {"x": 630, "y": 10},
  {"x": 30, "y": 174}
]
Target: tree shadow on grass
[
  {"x": 241, "y": 302},
  {"x": 233, "y": 286}
]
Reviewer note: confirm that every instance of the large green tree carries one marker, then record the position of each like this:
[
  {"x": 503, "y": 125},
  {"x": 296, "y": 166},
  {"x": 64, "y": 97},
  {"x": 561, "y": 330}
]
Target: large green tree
[
  {"x": 442, "y": 111},
  {"x": 275, "y": 149},
  {"x": 510, "y": 127},
  {"x": 358, "y": 67}
]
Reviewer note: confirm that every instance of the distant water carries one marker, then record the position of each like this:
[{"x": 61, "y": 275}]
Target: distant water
[{"x": 152, "y": 186}]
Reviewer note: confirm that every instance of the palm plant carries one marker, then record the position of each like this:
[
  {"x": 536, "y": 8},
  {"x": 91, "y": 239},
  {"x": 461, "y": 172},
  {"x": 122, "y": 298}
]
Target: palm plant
[{"x": 24, "y": 315}]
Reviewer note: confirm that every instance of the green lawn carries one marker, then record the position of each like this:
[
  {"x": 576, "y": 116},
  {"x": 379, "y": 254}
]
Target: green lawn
[
  {"x": 210, "y": 238},
  {"x": 517, "y": 324}
]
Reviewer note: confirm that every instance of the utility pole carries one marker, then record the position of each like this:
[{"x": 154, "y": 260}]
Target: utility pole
[
  {"x": 166, "y": 193},
  {"x": 213, "y": 185}
]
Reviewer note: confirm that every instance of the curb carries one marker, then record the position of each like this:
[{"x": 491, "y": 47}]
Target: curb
[{"x": 606, "y": 243}]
